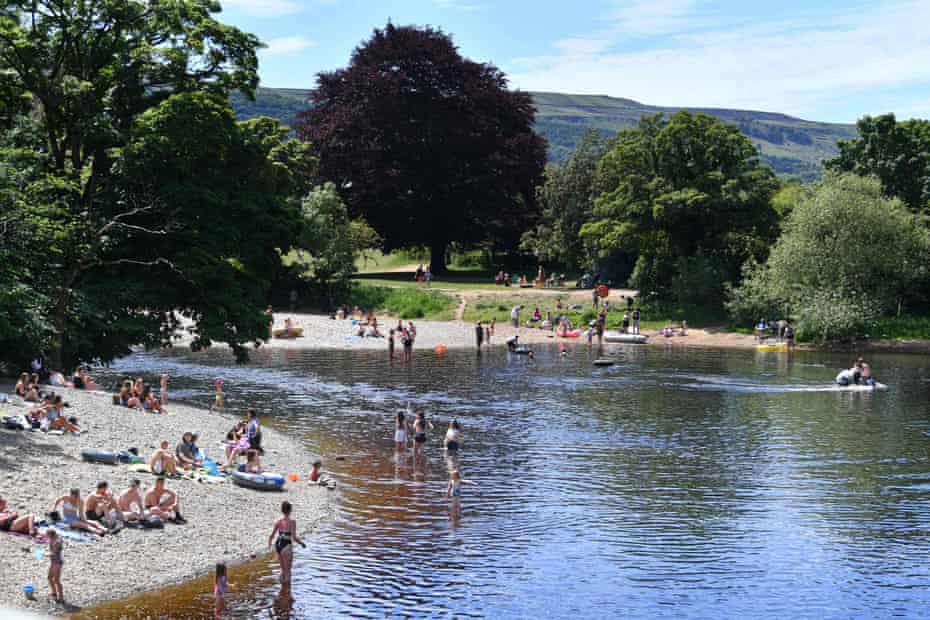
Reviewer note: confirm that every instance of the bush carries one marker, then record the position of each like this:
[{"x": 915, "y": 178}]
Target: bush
[{"x": 403, "y": 303}]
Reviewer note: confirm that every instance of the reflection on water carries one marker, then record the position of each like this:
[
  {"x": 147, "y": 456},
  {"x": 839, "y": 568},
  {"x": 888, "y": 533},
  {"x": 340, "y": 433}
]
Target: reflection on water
[{"x": 677, "y": 483}]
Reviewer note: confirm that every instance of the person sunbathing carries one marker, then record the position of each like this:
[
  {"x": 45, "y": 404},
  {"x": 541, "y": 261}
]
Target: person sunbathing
[
  {"x": 163, "y": 502},
  {"x": 72, "y": 513},
  {"x": 130, "y": 503},
  {"x": 14, "y": 522},
  {"x": 162, "y": 461}
]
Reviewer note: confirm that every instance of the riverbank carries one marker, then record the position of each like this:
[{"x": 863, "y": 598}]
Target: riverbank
[
  {"x": 322, "y": 332},
  {"x": 224, "y": 522}
]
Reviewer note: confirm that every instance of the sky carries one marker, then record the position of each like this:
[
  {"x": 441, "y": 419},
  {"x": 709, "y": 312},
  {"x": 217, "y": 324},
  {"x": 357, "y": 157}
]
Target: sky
[{"x": 831, "y": 60}]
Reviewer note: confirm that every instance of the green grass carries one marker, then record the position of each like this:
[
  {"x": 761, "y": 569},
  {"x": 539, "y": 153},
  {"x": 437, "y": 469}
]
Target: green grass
[
  {"x": 375, "y": 261},
  {"x": 901, "y": 328},
  {"x": 403, "y": 303},
  {"x": 453, "y": 279}
]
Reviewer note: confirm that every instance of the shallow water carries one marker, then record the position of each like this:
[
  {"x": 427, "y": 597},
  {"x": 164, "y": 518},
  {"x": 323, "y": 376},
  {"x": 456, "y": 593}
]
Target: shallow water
[{"x": 675, "y": 484}]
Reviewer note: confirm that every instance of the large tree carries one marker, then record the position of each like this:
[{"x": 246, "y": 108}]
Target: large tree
[
  {"x": 567, "y": 202},
  {"x": 898, "y": 154},
  {"x": 427, "y": 146},
  {"x": 688, "y": 196},
  {"x": 126, "y": 235},
  {"x": 848, "y": 254}
]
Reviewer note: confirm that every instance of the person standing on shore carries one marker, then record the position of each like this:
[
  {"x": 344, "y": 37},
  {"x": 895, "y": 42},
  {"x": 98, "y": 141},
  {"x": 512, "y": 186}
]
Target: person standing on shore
[
  {"x": 220, "y": 587},
  {"x": 286, "y": 530},
  {"x": 219, "y": 400},
  {"x": 428, "y": 276},
  {"x": 164, "y": 389},
  {"x": 479, "y": 335},
  {"x": 55, "y": 547},
  {"x": 515, "y": 315},
  {"x": 635, "y": 320},
  {"x": 595, "y": 299},
  {"x": 390, "y": 344}
]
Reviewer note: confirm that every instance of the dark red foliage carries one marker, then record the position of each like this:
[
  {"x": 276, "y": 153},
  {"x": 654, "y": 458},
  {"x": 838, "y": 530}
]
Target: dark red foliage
[{"x": 428, "y": 146}]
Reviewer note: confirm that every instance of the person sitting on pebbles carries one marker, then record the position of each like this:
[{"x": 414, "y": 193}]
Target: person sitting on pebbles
[
  {"x": 72, "y": 513},
  {"x": 56, "y": 419},
  {"x": 130, "y": 502},
  {"x": 162, "y": 461},
  {"x": 186, "y": 452},
  {"x": 101, "y": 505},
  {"x": 163, "y": 502}
]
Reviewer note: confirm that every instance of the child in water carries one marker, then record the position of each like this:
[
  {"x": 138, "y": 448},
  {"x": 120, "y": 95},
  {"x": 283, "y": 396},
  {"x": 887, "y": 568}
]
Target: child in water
[
  {"x": 219, "y": 402},
  {"x": 455, "y": 484},
  {"x": 220, "y": 586}
]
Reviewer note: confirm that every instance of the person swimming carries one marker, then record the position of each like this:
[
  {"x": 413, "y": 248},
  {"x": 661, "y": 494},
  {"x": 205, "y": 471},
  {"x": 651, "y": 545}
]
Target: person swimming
[{"x": 853, "y": 375}]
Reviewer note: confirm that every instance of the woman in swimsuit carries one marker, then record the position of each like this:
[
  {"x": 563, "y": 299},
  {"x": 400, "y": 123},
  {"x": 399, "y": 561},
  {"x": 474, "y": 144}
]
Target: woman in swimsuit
[
  {"x": 54, "y": 568},
  {"x": 72, "y": 513},
  {"x": 285, "y": 529},
  {"x": 453, "y": 436},
  {"x": 420, "y": 426},
  {"x": 401, "y": 428}
]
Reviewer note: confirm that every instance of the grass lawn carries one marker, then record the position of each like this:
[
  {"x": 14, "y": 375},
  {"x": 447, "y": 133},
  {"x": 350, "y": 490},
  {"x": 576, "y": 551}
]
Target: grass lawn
[
  {"x": 404, "y": 303},
  {"x": 454, "y": 280}
]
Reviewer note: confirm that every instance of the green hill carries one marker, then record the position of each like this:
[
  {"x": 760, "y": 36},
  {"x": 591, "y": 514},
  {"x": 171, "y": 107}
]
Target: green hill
[{"x": 791, "y": 146}]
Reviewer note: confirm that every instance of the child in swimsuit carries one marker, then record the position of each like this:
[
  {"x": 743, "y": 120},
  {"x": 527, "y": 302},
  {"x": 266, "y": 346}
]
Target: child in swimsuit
[
  {"x": 455, "y": 484},
  {"x": 219, "y": 401},
  {"x": 420, "y": 426},
  {"x": 220, "y": 587},
  {"x": 55, "y": 564},
  {"x": 400, "y": 432}
]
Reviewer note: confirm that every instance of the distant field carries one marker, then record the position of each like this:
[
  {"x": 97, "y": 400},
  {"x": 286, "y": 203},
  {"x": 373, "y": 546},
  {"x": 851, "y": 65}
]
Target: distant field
[{"x": 791, "y": 146}]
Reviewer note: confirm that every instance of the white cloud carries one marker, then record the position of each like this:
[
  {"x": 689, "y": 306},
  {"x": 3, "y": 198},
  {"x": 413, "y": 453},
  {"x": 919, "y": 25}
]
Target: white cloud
[
  {"x": 265, "y": 8},
  {"x": 287, "y": 46},
  {"x": 788, "y": 66},
  {"x": 651, "y": 16}
]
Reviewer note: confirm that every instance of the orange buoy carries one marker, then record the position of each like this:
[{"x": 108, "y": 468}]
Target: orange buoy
[
  {"x": 440, "y": 349},
  {"x": 292, "y": 477}
]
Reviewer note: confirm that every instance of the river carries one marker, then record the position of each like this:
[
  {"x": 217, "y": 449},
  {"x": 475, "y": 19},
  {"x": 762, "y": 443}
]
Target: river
[{"x": 678, "y": 483}]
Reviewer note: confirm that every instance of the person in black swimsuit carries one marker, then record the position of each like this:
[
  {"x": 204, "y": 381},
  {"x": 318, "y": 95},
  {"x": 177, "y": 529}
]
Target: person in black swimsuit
[
  {"x": 283, "y": 535},
  {"x": 420, "y": 426}
]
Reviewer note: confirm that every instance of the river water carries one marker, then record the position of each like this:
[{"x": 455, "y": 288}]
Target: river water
[{"x": 679, "y": 483}]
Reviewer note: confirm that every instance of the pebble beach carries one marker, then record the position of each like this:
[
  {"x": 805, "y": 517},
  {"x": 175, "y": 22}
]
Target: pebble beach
[{"x": 224, "y": 522}]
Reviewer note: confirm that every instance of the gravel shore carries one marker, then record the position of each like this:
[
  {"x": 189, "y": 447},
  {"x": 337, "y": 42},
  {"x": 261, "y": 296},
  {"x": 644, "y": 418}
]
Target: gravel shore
[
  {"x": 224, "y": 522},
  {"x": 321, "y": 332}
]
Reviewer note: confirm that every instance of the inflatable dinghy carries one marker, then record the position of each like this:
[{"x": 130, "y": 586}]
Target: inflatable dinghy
[
  {"x": 261, "y": 482},
  {"x": 288, "y": 332},
  {"x": 100, "y": 456},
  {"x": 620, "y": 337},
  {"x": 861, "y": 387}
]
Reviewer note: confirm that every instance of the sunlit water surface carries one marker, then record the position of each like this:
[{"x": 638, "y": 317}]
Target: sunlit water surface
[{"x": 676, "y": 484}]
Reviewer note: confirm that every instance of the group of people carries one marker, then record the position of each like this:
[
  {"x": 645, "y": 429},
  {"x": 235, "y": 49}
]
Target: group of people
[
  {"x": 407, "y": 335},
  {"x": 452, "y": 442},
  {"x": 139, "y": 395},
  {"x": 781, "y": 330},
  {"x": 423, "y": 275},
  {"x": 860, "y": 373}
]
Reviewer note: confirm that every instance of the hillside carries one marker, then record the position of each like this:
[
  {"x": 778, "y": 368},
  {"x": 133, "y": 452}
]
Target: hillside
[{"x": 791, "y": 146}]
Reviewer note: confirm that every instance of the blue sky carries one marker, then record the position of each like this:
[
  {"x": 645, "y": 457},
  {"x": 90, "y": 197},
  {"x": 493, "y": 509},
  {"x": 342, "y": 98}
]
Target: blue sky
[{"x": 831, "y": 60}]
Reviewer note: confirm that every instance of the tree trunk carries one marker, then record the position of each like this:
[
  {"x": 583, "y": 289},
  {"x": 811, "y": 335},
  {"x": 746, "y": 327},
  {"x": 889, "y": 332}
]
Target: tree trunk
[{"x": 437, "y": 256}]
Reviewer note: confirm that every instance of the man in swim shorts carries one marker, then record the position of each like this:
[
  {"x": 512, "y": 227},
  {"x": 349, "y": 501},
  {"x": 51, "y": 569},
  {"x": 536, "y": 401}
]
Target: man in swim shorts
[
  {"x": 162, "y": 461},
  {"x": 130, "y": 502},
  {"x": 100, "y": 506},
  {"x": 163, "y": 502}
]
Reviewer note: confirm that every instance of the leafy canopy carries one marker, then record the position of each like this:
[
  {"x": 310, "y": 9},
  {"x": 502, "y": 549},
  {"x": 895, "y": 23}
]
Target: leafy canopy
[
  {"x": 832, "y": 269},
  {"x": 689, "y": 197},
  {"x": 427, "y": 146},
  {"x": 143, "y": 195},
  {"x": 898, "y": 154}
]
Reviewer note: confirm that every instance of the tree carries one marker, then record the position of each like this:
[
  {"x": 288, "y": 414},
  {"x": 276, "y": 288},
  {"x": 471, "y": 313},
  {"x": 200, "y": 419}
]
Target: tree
[
  {"x": 689, "y": 197},
  {"x": 427, "y": 146},
  {"x": 112, "y": 253},
  {"x": 567, "y": 201},
  {"x": 897, "y": 153},
  {"x": 831, "y": 269},
  {"x": 331, "y": 239}
]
